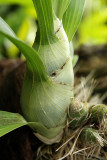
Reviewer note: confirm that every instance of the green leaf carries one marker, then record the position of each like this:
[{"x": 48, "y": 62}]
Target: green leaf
[
  {"x": 19, "y": 2},
  {"x": 31, "y": 55},
  {"x": 10, "y": 121},
  {"x": 72, "y": 17},
  {"x": 60, "y": 7},
  {"x": 45, "y": 18}
]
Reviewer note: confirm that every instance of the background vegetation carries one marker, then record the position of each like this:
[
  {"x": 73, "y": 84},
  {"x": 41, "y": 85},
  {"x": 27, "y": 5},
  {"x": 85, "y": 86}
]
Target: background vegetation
[{"x": 20, "y": 15}]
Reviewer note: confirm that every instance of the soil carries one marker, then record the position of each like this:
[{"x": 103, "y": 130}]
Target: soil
[
  {"x": 21, "y": 144},
  {"x": 93, "y": 59},
  {"x": 17, "y": 145}
]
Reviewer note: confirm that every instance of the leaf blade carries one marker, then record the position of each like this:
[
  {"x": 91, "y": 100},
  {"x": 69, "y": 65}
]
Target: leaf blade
[
  {"x": 72, "y": 17},
  {"x": 10, "y": 121},
  {"x": 45, "y": 18},
  {"x": 60, "y": 7},
  {"x": 30, "y": 54}
]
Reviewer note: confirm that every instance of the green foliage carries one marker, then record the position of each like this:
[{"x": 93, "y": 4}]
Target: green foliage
[
  {"x": 93, "y": 29},
  {"x": 72, "y": 17},
  {"x": 19, "y": 2},
  {"x": 10, "y": 121},
  {"x": 60, "y": 7},
  {"x": 31, "y": 55},
  {"x": 24, "y": 27},
  {"x": 45, "y": 19}
]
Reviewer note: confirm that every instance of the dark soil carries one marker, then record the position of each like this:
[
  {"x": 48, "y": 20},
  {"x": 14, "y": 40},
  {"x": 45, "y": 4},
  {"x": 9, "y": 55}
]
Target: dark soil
[{"x": 21, "y": 143}]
